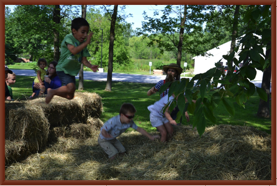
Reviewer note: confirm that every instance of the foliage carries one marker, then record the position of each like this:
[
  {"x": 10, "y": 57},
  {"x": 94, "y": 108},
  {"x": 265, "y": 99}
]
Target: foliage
[
  {"x": 30, "y": 29},
  {"x": 97, "y": 22},
  {"x": 236, "y": 86}
]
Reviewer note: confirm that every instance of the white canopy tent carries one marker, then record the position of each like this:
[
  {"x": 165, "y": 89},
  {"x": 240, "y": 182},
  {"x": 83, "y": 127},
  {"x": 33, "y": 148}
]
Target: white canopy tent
[{"x": 204, "y": 63}]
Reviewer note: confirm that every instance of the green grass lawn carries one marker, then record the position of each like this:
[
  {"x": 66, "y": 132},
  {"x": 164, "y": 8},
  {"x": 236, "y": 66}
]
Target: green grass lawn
[{"x": 135, "y": 93}]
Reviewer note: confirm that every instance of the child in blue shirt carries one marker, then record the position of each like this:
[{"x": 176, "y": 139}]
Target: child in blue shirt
[{"x": 116, "y": 126}]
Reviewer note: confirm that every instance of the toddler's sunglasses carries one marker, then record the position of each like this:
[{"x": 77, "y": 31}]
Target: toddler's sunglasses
[{"x": 129, "y": 117}]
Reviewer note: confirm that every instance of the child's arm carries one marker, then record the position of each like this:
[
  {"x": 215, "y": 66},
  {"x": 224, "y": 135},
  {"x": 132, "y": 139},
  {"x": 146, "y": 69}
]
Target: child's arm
[
  {"x": 151, "y": 91},
  {"x": 105, "y": 133},
  {"x": 143, "y": 132},
  {"x": 39, "y": 77},
  {"x": 94, "y": 68},
  {"x": 75, "y": 50},
  {"x": 167, "y": 115}
]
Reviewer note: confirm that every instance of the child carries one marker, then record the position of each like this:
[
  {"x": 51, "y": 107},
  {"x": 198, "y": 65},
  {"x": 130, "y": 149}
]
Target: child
[
  {"x": 163, "y": 121},
  {"x": 11, "y": 78},
  {"x": 73, "y": 52},
  {"x": 173, "y": 72},
  {"x": 41, "y": 72},
  {"x": 117, "y": 125},
  {"x": 7, "y": 93}
]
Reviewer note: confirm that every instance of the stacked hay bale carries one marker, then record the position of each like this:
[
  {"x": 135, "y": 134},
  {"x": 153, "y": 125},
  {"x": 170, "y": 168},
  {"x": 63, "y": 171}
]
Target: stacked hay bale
[
  {"x": 30, "y": 123},
  {"x": 224, "y": 152}
]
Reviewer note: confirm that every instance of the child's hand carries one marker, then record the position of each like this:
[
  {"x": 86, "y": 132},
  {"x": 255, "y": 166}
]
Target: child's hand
[
  {"x": 94, "y": 68},
  {"x": 187, "y": 116},
  {"x": 154, "y": 137},
  {"x": 173, "y": 122},
  {"x": 89, "y": 37}
]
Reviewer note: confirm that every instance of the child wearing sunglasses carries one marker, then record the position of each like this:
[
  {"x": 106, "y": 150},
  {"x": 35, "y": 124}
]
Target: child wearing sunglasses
[
  {"x": 116, "y": 126},
  {"x": 163, "y": 121}
]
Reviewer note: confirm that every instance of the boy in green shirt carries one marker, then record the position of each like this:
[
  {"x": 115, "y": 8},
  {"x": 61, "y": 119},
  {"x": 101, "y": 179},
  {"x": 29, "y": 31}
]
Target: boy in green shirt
[{"x": 73, "y": 52}]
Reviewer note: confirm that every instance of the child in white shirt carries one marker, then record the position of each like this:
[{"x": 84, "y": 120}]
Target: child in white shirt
[{"x": 163, "y": 121}]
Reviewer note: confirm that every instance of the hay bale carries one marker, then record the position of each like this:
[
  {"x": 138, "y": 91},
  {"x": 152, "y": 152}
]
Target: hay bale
[
  {"x": 30, "y": 120},
  {"x": 76, "y": 130},
  {"x": 29, "y": 124},
  {"x": 61, "y": 111},
  {"x": 95, "y": 122},
  {"x": 223, "y": 152},
  {"x": 14, "y": 150},
  {"x": 9, "y": 105}
]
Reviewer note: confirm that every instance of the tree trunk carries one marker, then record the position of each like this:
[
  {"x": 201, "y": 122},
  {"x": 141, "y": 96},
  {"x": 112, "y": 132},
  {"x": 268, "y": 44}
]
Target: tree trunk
[
  {"x": 264, "y": 106},
  {"x": 180, "y": 44},
  {"x": 57, "y": 21},
  {"x": 112, "y": 36},
  {"x": 81, "y": 72},
  {"x": 234, "y": 37}
]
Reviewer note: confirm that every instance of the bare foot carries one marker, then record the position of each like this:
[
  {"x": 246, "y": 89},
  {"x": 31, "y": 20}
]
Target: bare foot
[{"x": 49, "y": 96}]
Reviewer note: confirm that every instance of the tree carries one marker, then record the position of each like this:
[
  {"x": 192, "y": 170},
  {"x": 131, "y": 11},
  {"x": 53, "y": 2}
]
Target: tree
[
  {"x": 81, "y": 72},
  {"x": 234, "y": 37},
  {"x": 112, "y": 36},
  {"x": 237, "y": 86},
  {"x": 33, "y": 33},
  {"x": 11, "y": 50},
  {"x": 188, "y": 22},
  {"x": 57, "y": 20}
]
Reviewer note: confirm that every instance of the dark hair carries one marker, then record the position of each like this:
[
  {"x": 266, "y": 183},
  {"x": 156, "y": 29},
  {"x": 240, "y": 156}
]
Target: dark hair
[
  {"x": 78, "y": 23},
  {"x": 54, "y": 63},
  {"x": 7, "y": 71},
  {"x": 42, "y": 60},
  {"x": 127, "y": 107}
]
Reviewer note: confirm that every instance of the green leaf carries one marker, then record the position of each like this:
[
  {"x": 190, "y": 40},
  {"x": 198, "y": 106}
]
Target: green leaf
[
  {"x": 255, "y": 14},
  {"x": 191, "y": 107},
  {"x": 188, "y": 95},
  {"x": 267, "y": 62},
  {"x": 203, "y": 88},
  {"x": 228, "y": 106},
  {"x": 164, "y": 87},
  {"x": 251, "y": 72},
  {"x": 266, "y": 34},
  {"x": 190, "y": 84},
  {"x": 173, "y": 88},
  {"x": 182, "y": 86},
  {"x": 216, "y": 97},
  {"x": 199, "y": 121},
  {"x": 234, "y": 89},
  {"x": 181, "y": 102},
  {"x": 178, "y": 117},
  {"x": 242, "y": 98},
  {"x": 243, "y": 55},
  {"x": 251, "y": 89},
  {"x": 172, "y": 105},
  {"x": 255, "y": 56},
  {"x": 262, "y": 93},
  {"x": 209, "y": 114}
]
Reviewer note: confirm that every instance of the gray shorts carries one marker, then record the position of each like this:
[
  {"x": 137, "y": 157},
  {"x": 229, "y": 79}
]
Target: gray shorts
[
  {"x": 66, "y": 78},
  {"x": 157, "y": 121},
  {"x": 111, "y": 147}
]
